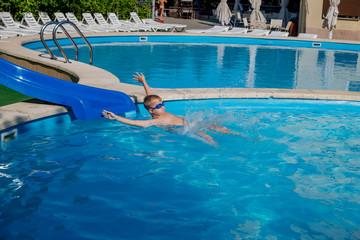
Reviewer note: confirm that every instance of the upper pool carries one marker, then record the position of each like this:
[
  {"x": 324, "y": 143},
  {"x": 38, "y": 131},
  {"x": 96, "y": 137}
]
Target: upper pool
[{"x": 224, "y": 62}]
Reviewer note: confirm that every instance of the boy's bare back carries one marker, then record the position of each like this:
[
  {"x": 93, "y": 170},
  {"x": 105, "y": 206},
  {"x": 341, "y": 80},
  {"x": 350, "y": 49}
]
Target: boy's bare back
[{"x": 169, "y": 119}]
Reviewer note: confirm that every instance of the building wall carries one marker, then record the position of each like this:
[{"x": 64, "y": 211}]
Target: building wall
[{"x": 312, "y": 12}]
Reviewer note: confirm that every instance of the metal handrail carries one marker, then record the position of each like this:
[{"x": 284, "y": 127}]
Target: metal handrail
[
  {"x": 70, "y": 38},
  {"x": 43, "y": 40},
  {"x": 73, "y": 42}
]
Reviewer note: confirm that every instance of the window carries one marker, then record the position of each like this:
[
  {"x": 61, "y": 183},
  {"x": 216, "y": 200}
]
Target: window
[{"x": 348, "y": 9}]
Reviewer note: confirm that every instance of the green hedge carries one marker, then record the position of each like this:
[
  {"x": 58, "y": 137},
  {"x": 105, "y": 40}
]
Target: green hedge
[{"x": 121, "y": 7}]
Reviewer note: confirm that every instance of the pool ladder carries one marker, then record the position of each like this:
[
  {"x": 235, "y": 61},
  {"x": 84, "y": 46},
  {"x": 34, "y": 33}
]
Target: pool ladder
[{"x": 60, "y": 24}]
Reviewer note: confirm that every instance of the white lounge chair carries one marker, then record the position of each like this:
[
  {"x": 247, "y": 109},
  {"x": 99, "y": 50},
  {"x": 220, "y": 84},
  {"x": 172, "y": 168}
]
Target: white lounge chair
[
  {"x": 174, "y": 27},
  {"x": 141, "y": 27},
  {"x": 84, "y": 28},
  {"x": 215, "y": 29},
  {"x": 236, "y": 30},
  {"x": 132, "y": 26},
  {"x": 258, "y": 32},
  {"x": 60, "y": 17},
  {"x": 284, "y": 33},
  {"x": 307, "y": 35},
  {"x": 32, "y": 24},
  {"x": 275, "y": 24},
  {"x": 278, "y": 34},
  {"x": 44, "y": 18},
  {"x": 254, "y": 32},
  {"x": 89, "y": 20},
  {"x": 13, "y": 27},
  {"x": 5, "y": 34},
  {"x": 134, "y": 17},
  {"x": 102, "y": 22}
]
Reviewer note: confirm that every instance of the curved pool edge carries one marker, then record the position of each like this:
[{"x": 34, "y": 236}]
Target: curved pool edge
[{"x": 14, "y": 114}]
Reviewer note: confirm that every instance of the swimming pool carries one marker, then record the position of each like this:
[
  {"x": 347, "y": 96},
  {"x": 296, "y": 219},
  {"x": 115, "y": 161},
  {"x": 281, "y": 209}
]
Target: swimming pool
[
  {"x": 100, "y": 179},
  {"x": 223, "y": 62},
  {"x": 103, "y": 180}
]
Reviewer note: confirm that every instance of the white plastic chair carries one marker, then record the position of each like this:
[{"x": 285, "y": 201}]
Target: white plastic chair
[
  {"x": 31, "y": 22},
  {"x": 132, "y": 26},
  {"x": 44, "y": 18},
  {"x": 89, "y": 20},
  {"x": 84, "y": 28},
  {"x": 172, "y": 26},
  {"x": 279, "y": 34},
  {"x": 236, "y": 30},
  {"x": 258, "y": 32},
  {"x": 6, "y": 34},
  {"x": 102, "y": 22},
  {"x": 11, "y": 26},
  {"x": 137, "y": 20},
  {"x": 59, "y": 16}
]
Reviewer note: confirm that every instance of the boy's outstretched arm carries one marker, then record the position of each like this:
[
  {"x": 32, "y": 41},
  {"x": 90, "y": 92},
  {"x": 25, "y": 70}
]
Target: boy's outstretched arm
[
  {"x": 137, "y": 123},
  {"x": 141, "y": 78}
]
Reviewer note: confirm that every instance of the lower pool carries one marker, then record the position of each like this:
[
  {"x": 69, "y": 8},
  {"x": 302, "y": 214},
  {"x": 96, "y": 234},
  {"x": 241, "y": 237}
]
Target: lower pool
[{"x": 101, "y": 179}]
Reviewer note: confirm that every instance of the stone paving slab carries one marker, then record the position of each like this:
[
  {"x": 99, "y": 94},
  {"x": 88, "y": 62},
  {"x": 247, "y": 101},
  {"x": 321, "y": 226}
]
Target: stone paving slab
[{"x": 14, "y": 114}]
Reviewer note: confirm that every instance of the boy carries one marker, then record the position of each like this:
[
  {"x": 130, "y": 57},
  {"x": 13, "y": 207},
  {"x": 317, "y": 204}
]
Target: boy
[{"x": 155, "y": 106}]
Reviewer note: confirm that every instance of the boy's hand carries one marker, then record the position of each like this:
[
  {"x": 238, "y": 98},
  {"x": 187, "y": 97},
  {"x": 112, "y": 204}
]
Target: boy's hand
[
  {"x": 139, "y": 78},
  {"x": 109, "y": 115}
]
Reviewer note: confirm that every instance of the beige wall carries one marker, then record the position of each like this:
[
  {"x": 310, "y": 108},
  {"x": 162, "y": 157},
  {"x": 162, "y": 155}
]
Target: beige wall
[{"x": 312, "y": 22}]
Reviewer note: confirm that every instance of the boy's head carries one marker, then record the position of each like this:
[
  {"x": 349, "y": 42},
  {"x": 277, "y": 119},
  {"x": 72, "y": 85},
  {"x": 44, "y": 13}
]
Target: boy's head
[{"x": 151, "y": 101}]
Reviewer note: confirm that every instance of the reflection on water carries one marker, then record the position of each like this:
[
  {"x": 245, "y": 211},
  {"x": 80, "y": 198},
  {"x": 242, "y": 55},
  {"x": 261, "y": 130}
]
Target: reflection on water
[{"x": 201, "y": 65}]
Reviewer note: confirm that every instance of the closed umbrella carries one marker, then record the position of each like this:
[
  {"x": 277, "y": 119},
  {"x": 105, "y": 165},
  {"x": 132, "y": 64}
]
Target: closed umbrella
[
  {"x": 331, "y": 16},
  {"x": 284, "y": 12},
  {"x": 257, "y": 18},
  {"x": 223, "y": 12}
]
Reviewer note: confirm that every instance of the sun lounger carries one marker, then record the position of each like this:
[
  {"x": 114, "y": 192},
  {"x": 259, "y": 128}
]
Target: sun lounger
[
  {"x": 307, "y": 35},
  {"x": 141, "y": 27},
  {"x": 84, "y": 28},
  {"x": 89, "y": 20},
  {"x": 60, "y": 17},
  {"x": 13, "y": 27},
  {"x": 32, "y": 24},
  {"x": 236, "y": 30},
  {"x": 134, "y": 17},
  {"x": 132, "y": 26},
  {"x": 258, "y": 32},
  {"x": 5, "y": 34},
  {"x": 44, "y": 18},
  {"x": 278, "y": 34},
  {"x": 215, "y": 29},
  {"x": 102, "y": 22},
  {"x": 174, "y": 27}
]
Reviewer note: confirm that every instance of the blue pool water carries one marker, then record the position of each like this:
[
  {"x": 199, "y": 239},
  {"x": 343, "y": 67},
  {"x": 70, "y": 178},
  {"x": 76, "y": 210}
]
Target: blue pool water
[
  {"x": 226, "y": 62},
  {"x": 100, "y": 179}
]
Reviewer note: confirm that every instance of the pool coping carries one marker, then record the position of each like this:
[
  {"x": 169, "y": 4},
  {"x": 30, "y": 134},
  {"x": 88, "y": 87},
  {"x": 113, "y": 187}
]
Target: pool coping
[{"x": 11, "y": 49}]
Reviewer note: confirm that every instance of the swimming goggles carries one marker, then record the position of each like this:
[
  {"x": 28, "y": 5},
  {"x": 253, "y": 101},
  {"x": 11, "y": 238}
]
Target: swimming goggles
[{"x": 160, "y": 105}]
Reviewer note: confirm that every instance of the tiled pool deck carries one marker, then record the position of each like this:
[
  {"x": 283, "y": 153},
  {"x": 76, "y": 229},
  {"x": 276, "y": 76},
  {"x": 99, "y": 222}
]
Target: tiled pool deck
[{"x": 11, "y": 49}]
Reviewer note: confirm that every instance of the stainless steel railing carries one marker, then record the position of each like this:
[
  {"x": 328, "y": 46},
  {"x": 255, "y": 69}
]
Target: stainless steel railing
[{"x": 60, "y": 24}]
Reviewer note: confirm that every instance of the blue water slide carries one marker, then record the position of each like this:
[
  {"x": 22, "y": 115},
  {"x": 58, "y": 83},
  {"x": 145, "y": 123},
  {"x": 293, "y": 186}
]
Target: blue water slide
[{"x": 86, "y": 102}]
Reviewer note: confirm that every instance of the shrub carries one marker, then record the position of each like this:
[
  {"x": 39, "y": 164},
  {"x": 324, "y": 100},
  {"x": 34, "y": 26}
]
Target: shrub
[{"x": 121, "y": 7}]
